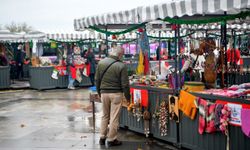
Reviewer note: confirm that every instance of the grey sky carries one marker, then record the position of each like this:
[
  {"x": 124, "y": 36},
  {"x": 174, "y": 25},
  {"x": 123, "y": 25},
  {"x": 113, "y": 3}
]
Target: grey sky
[{"x": 47, "y": 15}]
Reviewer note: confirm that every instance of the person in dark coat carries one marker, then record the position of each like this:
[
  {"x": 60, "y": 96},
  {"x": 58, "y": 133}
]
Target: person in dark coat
[
  {"x": 3, "y": 59},
  {"x": 20, "y": 55},
  {"x": 91, "y": 60},
  {"x": 70, "y": 67}
]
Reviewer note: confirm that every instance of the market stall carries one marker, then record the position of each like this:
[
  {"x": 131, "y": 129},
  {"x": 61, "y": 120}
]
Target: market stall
[
  {"x": 50, "y": 62},
  {"x": 6, "y": 36},
  {"x": 185, "y": 127}
]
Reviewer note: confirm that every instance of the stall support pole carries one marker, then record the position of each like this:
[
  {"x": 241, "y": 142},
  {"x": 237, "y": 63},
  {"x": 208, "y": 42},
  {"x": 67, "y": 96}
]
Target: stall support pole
[
  {"x": 234, "y": 62},
  {"x": 179, "y": 58},
  {"x": 159, "y": 52},
  {"x": 224, "y": 77},
  {"x": 175, "y": 61},
  {"x": 225, "y": 46},
  {"x": 106, "y": 40}
]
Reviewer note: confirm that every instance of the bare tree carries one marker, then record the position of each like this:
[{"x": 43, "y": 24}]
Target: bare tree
[{"x": 20, "y": 27}]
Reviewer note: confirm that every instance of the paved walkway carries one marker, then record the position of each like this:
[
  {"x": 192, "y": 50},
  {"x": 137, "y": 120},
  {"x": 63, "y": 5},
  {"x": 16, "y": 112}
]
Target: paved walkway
[{"x": 57, "y": 120}]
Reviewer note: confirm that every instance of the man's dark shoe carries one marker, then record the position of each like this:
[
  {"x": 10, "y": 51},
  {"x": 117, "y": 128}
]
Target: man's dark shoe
[
  {"x": 113, "y": 143},
  {"x": 102, "y": 141}
]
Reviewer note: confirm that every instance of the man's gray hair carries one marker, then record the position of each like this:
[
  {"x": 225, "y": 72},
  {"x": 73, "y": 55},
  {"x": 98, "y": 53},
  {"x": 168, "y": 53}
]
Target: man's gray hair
[{"x": 116, "y": 51}]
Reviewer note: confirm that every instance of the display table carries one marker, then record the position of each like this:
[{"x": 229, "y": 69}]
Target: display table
[
  {"x": 185, "y": 133},
  {"x": 40, "y": 78},
  {"x": 129, "y": 121},
  {"x": 190, "y": 138},
  {"x": 4, "y": 77}
]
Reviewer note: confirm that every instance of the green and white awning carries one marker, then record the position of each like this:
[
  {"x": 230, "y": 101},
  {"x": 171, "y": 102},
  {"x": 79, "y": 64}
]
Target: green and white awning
[{"x": 177, "y": 8}]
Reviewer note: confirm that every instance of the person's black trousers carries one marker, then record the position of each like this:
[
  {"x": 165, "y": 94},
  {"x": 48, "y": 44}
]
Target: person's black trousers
[
  {"x": 19, "y": 71},
  {"x": 92, "y": 78}
]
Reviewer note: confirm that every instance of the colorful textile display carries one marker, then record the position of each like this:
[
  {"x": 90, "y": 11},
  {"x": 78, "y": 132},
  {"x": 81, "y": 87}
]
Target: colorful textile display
[
  {"x": 224, "y": 92},
  {"x": 187, "y": 104},
  {"x": 213, "y": 117}
]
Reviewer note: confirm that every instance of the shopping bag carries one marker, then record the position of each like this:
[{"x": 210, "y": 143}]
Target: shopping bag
[
  {"x": 54, "y": 74},
  {"x": 84, "y": 72},
  {"x": 78, "y": 75}
]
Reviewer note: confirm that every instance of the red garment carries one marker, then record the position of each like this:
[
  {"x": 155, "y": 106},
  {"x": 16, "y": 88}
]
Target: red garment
[
  {"x": 230, "y": 55},
  {"x": 73, "y": 72},
  {"x": 206, "y": 116},
  {"x": 88, "y": 69},
  {"x": 61, "y": 70}
]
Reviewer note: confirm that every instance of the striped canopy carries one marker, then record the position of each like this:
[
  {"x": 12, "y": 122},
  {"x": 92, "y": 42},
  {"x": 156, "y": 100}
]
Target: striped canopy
[
  {"x": 71, "y": 36},
  {"x": 6, "y": 35},
  {"x": 177, "y": 8}
]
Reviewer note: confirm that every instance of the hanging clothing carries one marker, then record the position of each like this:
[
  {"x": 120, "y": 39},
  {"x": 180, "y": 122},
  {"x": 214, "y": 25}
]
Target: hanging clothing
[
  {"x": 245, "y": 122},
  {"x": 187, "y": 104},
  {"x": 218, "y": 114},
  {"x": 233, "y": 56},
  {"x": 206, "y": 116}
]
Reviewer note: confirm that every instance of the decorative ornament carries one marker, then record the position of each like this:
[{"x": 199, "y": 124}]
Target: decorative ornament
[
  {"x": 146, "y": 117},
  {"x": 163, "y": 118},
  {"x": 174, "y": 27},
  {"x": 114, "y": 37},
  {"x": 140, "y": 30}
]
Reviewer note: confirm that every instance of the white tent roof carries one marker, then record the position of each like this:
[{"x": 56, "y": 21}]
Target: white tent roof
[
  {"x": 35, "y": 35},
  {"x": 6, "y": 35},
  {"x": 177, "y": 8},
  {"x": 65, "y": 35}
]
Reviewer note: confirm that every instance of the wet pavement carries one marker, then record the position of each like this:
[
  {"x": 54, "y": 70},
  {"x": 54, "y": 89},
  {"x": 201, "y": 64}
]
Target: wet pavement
[{"x": 58, "y": 119}]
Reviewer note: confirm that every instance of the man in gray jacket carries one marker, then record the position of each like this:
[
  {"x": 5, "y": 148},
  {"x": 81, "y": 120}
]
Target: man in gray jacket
[{"x": 111, "y": 82}]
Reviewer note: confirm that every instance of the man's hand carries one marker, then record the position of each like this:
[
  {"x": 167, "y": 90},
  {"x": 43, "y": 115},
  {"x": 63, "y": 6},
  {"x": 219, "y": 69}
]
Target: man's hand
[{"x": 128, "y": 102}]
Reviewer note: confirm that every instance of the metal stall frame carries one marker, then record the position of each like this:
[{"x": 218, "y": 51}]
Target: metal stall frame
[{"x": 4, "y": 77}]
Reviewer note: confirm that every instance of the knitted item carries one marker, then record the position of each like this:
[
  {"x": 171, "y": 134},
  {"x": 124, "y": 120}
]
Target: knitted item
[
  {"x": 206, "y": 117},
  {"x": 224, "y": 119},
  {"x": 186, "y": 104},
  {"x": 218, "y": 114}
]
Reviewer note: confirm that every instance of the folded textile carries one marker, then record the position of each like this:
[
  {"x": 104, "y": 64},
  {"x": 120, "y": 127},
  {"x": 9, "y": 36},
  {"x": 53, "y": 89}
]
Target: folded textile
[{"x": 187, "y": 104}]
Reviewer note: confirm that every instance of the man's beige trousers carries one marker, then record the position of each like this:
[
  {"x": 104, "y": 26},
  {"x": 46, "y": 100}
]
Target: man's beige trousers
[{"x": 111, "y": 105}]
